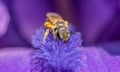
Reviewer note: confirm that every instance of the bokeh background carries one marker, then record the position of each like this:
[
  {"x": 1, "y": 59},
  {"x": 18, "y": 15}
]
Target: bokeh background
[{"x": 97, "y": 20}]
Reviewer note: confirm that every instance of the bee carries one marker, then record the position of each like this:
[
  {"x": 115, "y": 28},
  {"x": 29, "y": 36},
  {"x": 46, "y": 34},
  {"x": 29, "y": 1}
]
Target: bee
[{"x": 56, "y": 25}]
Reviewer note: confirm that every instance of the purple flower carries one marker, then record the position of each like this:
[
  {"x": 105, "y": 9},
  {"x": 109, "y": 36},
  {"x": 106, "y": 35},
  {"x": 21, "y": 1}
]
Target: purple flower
[{"x": 57, "y": 55}]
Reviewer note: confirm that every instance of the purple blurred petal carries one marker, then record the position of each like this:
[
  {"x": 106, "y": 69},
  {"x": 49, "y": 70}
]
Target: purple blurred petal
[
  {"x": 101, "y": 61},
  {"x": 95, "y": 58},
  {"x": 16, "y": 59},
  {"x": 4, "y": 19},
  {"x": 95, "y": 16},
  {"x": 30, "y": 15}
]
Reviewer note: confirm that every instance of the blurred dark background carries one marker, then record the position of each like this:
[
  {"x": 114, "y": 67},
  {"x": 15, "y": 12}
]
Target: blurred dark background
[{"x": 97, "y": 20}]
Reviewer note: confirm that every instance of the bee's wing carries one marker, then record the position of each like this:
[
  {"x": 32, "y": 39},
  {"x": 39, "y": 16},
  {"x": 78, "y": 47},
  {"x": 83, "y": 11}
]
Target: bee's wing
[
  {"x": 53, "y": 17},
  {"x": 53, "y": 14}
]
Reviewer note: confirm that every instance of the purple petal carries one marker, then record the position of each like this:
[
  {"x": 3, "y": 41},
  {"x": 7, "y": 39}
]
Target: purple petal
[
  {"x": 4, "y": 19},
  {"x": 30, "y": 15},
  {"x": 16, "y": 59},
  {"x": 20, "y": 59}
]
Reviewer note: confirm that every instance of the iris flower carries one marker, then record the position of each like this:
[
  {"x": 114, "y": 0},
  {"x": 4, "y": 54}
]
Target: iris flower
[{"x": 98, "y": 20}]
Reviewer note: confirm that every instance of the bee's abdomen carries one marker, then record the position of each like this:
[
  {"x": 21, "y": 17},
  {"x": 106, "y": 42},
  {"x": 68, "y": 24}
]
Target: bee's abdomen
[{"x": 64, "y": 33}]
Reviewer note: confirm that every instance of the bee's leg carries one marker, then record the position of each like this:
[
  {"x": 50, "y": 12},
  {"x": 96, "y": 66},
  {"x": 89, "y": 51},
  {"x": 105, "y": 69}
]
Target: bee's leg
[
  {"x": 66, "y": 23},
  {"x": 54, "y": 34},
  {"x": 45, "y": 35}
]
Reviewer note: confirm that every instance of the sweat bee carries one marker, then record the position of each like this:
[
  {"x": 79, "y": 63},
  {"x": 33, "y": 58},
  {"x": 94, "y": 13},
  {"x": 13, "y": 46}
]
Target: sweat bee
[{"x": 56, "y": 25}]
